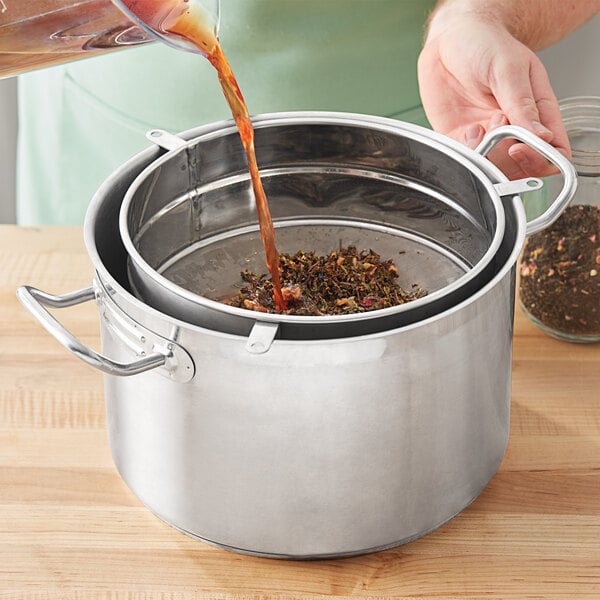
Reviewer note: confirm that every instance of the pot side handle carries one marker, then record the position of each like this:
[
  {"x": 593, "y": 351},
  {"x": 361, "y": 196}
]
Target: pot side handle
[
  {"x": 565, "y": 167},
  {"x": 35, "y": 301}
]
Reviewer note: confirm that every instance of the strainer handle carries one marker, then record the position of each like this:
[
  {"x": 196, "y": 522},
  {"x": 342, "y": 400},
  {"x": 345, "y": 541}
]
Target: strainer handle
[
  {"x": 565, "y": 167},
  {"x": 36, "y": 301}
]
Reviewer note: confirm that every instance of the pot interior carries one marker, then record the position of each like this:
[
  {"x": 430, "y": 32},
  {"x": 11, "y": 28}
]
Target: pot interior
[
  {"x": 110, "y": 256},
  {"x": 189, "y": 220}
]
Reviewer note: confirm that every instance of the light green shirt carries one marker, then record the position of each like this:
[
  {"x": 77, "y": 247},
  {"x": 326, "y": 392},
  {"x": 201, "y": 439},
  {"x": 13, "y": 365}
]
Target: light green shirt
[{"x": 81, "y": 121}]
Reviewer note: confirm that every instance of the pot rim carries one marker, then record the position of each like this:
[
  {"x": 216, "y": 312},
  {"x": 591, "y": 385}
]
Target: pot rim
[
  {"x": 105, "y": 277},
  {"x": 425, "y": 136},
  {"x": 113, "y": 288}
]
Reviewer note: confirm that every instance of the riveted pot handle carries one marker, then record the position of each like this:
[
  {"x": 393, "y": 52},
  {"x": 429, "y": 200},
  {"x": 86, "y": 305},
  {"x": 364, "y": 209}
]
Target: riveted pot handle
[
  {"x": 565, "y": 167},
  {"x": 35, "y": 301}
]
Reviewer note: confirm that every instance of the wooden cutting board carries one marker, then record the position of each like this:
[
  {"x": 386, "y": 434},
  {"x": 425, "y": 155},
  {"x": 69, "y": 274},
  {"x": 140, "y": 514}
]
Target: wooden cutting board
[{"x": 71, "y": 529}]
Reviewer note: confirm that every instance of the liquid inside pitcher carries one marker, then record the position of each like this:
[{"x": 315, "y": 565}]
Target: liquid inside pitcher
[{"x": 41, "y": 33}]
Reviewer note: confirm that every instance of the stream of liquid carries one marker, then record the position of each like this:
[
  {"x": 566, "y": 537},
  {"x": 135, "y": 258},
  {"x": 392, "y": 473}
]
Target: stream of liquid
[
  {"x": 179, "y": 19},
  {"x": 40, "y": 33}
]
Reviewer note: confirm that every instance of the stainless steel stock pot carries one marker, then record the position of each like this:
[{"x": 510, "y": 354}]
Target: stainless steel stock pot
[{"x": 300, "y": 448}]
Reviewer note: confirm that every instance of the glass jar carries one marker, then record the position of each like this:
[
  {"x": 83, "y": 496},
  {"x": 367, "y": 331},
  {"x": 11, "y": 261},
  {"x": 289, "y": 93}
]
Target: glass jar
[
  {"x": 42, "y": 33},
  {"x": 559, "y": 274}
]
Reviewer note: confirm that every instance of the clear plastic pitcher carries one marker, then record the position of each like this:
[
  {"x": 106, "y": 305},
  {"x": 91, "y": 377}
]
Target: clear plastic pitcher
[{"x": 41, "y": 33}]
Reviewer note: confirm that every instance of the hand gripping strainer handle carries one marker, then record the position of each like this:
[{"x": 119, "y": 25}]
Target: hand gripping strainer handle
[{"x": 565, "y": 167}]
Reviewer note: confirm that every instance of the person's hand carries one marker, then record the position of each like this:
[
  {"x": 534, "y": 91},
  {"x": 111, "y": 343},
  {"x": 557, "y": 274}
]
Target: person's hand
[{"x": 475, "y": 76}]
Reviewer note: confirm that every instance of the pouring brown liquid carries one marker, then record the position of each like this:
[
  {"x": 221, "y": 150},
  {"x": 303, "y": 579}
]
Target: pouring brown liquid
[
  {"x": 174, "y": 18},
  {"x": 240, "y": 114}
]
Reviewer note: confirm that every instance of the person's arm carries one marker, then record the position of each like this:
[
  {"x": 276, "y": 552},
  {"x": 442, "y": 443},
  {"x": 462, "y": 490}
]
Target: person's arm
[
  {"x": 535, "y": 23},
  {"x": 478, "y": 70}
]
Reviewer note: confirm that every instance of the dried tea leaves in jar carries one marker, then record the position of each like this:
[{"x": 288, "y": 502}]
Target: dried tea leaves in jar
[
  {"x": 560, "y": 273},
  {"x": 345, "y": 281}
]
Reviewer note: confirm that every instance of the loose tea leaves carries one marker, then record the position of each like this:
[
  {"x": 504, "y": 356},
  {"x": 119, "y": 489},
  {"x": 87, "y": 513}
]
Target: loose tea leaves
[
  {"x": 560, "y": 273},
  {"x": 345, "y": 281}
]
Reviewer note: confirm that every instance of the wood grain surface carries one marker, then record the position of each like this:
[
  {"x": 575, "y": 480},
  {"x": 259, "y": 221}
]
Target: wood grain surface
[{"x": 71, "y": 529}]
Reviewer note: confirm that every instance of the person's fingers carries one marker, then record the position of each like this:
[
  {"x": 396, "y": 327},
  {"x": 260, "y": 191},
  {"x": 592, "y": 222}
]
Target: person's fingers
[
  {"x": 517, "y": 160},
  {"x": 497, "y": 120},
  {"x": 512, "y": 87},
  {"x": 474, "y": 134},
  {"x": 531, "y": 162},
  {"x": 529, "y": 101},
  {"x": 500, "y": 156},
  {"x": 548, "y": 108}
]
